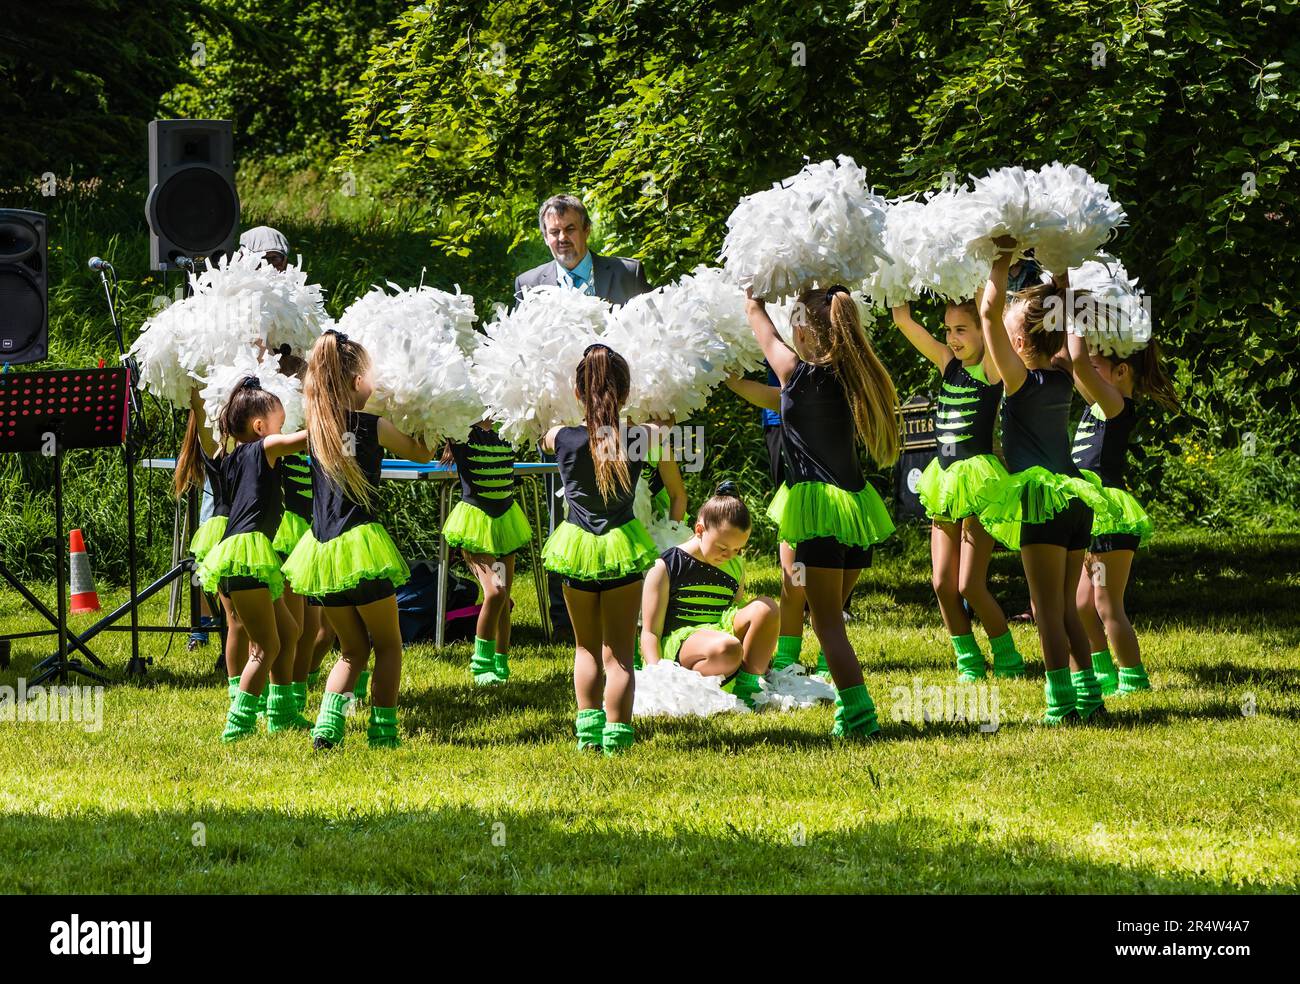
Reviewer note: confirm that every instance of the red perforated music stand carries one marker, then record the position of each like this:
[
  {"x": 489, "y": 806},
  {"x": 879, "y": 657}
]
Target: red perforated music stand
[{"x": 50, "y": 413}]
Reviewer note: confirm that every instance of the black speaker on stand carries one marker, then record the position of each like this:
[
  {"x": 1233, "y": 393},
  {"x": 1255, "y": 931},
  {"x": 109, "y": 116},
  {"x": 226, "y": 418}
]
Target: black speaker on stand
[
  {"x": 24, "y": 307},
  {"x": 192, "y": 208}
]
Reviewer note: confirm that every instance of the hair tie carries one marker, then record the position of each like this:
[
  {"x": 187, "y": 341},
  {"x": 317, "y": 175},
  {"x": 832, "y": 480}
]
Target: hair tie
[
  {"x": 250, "y": 383},
  {"x": 727, "y": 488},
  {"x": 833, "y": 290},
  {"x": 596, "y": 345},
  {"x": 342, "y": 338}
]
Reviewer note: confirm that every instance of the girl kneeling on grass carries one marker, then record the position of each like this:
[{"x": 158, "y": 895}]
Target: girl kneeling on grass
[
  {"x": 691, "y": 602},
  {"x": 244, "y": 566},
  {"x": 347, "y": 562}
]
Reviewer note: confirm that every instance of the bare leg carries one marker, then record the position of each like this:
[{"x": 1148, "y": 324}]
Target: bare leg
[
  {"x": 618, "y": 611},
  {"x": 492, "y": 577},
  {"x": 1045, "y": 570},
  {"x": 1109, "y": 597},
  {"x": 945, "y": 567},
  {"x": 756, "y": 626},
  {"x": 265, "y": 621},
  {"x": 588, "y": 671},
  {"x": 1086, "y": 606},
  {"x": 306, "y": 649},
  {"x": 236, "y": 640},
  {"x": 380, "y": 618},
  {"x": 825, "y": 591},
  {"x": 710, "y": 652},
  {"x": 973, "y": 579},
  {"x": 793, "y": 595},
  {"x": 354, "y": 642}
]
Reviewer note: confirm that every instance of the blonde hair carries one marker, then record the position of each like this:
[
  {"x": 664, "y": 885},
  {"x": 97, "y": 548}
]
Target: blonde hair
[
  {"x": 333, "y": 365},
  {"x": 832, "y": 320}
]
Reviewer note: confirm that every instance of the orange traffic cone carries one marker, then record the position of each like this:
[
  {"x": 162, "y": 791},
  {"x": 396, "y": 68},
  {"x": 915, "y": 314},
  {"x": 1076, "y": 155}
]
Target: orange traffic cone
[{"x": 84, "y": 597}]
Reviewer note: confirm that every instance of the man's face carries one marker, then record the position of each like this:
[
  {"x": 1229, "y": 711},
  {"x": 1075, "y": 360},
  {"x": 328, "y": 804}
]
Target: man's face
[
  {"x": 276, "y": 259},
  {"x": 566, "y": 237}
]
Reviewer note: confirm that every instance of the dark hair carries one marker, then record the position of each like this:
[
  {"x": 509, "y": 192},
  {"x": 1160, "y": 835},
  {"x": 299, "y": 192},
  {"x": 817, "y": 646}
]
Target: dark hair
[
  {"x": 248, "y": 402},
  {"x": 967, "y": 307},
  {"x": 1149, "y": 376},
  {"x": 559, "y": 204},
  {"x": 725, "y": 506},
  {"x": 603, "y": 384}
]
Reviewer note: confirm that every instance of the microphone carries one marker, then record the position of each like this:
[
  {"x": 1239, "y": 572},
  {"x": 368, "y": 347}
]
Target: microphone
[{"x": 97, "y": 264}]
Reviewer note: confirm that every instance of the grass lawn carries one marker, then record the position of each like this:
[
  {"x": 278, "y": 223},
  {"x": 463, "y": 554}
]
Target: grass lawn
[{"x": 1193, "y": 787}]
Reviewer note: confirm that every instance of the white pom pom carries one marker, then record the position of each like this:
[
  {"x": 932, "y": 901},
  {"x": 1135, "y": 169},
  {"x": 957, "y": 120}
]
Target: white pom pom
[
  {"x": 722, "y": 303},
  {"x": 1059, "y": 211},
  {"x": 821, "y": 226},
  {"x": 524, "y": 367},
  {"x": 287, "y": 388},
  {"x": 234, "y": 305},
  {"x": 418, "y": 341},
  {"x": 219, "y": 382},
  {"x": 791, "y": 689},
  {"x": 955, "y": 254},
  {"x": 669, "y": 690},
  {"x": 675, "y": 357},
  {"x": 1109, "y": 310},
  {"x": 894, "y": 280}
]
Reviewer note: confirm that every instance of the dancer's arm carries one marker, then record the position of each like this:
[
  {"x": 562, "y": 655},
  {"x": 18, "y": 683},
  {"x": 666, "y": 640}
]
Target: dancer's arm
[
  {"x": 654, "y": 606},
  {"x": 402, "y": 445},
  {"x": 1088, "y": 381},
  {"x": 992, "y": 305},
  {"x": 782, "y": 359},
  {"x": 752, "y": 391},
  {"x": 925, "y": 343}
]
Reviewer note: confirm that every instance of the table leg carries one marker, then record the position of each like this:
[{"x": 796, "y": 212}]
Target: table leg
[
  {"x": 535, "y": 559},
  {"x": 444, "y": 559}
]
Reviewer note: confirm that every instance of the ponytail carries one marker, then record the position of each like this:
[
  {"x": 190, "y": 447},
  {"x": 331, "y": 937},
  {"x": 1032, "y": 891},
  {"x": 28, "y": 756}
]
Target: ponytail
[
  {"x": 725, "y": 506},
  {"x": 1149, "y": 376},
  {"x": 333, "y": 365},
  {"x": 832, "y": 318},
  {"x": 1045, "y": 315},
  {"x": 603, "y": 384},
  {"x": 189, "y": 463}
]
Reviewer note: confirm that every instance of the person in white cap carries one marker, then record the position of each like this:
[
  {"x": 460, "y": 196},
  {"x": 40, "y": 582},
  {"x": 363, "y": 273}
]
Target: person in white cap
[{"x": 271, "y": 243}]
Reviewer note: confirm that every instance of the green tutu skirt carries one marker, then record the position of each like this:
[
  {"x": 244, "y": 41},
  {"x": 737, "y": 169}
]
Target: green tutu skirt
[
  {"x": 243, "y": 555},
  {"x": 363, "y": 553},
  {"x": 808, "y": 510},
  {"x": 208, "y": 536},
  {"x": 672, "y": 643},
  {"x": 584, "y": 556},
  {"x": 1126, "y": 515},
  {"x": 661, "y": 502},
  {"x": 470, "y": 528},
  {"x": 292, "y": 528},
  {"x": 1035, "y": 495},
  {"x": 960, "y": 490}
]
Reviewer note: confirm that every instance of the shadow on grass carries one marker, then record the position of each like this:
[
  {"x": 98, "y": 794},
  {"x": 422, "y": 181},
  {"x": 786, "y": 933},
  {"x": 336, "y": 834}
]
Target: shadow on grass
[{"x": 462, "y": 850}]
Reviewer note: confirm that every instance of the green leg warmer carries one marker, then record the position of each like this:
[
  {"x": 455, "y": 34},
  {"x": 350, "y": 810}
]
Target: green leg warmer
[
  {"x": 362, "y": 689},
  {"x": 823, "y": 668},
  {"x": 330, "y": 720},
  {"x": 282, "y": 709},
  {"x": 616, "y": 738},
  {"x": 855, "y": 713},
  {"x": 745, "y": 685},
  {"x": 483, "y": 664},
  {"x": 503, "y": 665},
  {"x": 787, "y": 651},
  {"x": 382, "y": 732},
  {"x": 590, "y": 727},
  {"x": 261, "y": 701},
  {"x": 1061, "y": 699},
  {"x": 1133, "y": 679},
  {"x": 232, "y": 688},
  {"x": 1104, "y": 667},
  {"x": 970, "y": 661},
  {"x": 241, "y": 719},
  {"x": 312, "y": 679},
  {"x": 1007, "y": 661},
  {"x": 1087, "y": 693},
  {"x": 300, "y": 694}
]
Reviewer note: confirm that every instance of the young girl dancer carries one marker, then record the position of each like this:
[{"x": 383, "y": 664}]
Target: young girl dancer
[
  {"x": 600, "y": 549},
  {"x": 835, "y": 396},
  {"x": 1047, "y": 502},
  {"x": 955, "y": 483},
  {"x": 1109, "y": 384},
  {"x": 347, "y": 561},
  {"x": 488, "y": 526},
  {"x": 691, "y": 602},
  {"x": 196, "y": 462},
  {"x": 244, "y": 567}
]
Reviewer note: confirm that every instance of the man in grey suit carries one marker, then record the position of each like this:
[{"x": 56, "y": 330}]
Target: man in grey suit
[{"x": 566, "y": 227}]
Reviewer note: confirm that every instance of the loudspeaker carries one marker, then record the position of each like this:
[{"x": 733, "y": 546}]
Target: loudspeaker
[
  {"x": 24, "y": 306},
  {"x": 192, "y": 207}
]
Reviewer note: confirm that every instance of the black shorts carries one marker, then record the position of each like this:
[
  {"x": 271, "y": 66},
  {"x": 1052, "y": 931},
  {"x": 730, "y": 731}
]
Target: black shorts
[
  {"x": 1070, "y": 528},
  {"x": 826, "y": 551},
  {"x": 603, "y": 584},
  {"x": 367, "y": 591},
  {"x": 244, "y": 583},
  {"x": 1109, "y": 542},
  {"x": 775, "y": 463}
]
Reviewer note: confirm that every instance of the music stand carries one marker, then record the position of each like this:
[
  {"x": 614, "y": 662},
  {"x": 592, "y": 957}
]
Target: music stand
[{"x": 51, "y": 412}]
